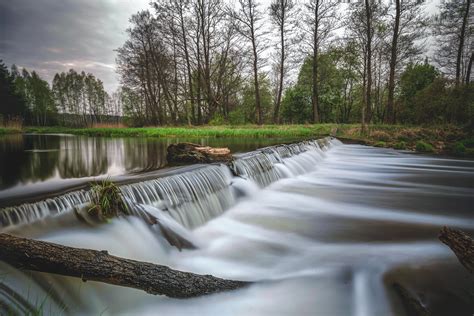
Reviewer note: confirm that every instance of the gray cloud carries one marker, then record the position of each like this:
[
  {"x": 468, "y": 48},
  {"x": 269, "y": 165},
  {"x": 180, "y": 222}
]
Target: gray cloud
[{"x": 50, "y": 36}]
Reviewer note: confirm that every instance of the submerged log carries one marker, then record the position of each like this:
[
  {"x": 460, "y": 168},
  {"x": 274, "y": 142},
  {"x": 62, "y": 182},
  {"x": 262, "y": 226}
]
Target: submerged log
[
  {"x": 461, "y": 244},
  {"x": 100, "y": 266},
  {"x": 195, "y": 153},
  {"x": 412, "y": 304}
]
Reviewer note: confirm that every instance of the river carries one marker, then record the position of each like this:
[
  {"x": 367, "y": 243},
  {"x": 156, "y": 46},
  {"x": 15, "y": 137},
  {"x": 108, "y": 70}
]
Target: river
[{"x": 321, "y": 229}]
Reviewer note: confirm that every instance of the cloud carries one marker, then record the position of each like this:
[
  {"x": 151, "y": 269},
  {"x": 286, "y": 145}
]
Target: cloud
[{"x": 50, "y": 36}]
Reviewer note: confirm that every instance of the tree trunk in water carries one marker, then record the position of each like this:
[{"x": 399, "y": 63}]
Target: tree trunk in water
[
  {"x": 393, "y": 64},
  {"x": 100, "y": 266},
  {"x": 461, "y": 244},
  {"x": 461, "y": 42}
]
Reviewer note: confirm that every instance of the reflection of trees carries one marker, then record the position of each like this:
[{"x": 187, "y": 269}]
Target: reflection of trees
[
  {"x": 83, "y": 157},
  {"x": 144, "y": 154},
  {"x": 20, "y": 163},
  {"x": 39, "y": 157}
]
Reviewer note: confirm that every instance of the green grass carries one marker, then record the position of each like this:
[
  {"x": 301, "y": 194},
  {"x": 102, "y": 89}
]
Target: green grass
[
  {"x": 202, "y": 131},
  {"x": 441, "y": 139},
  {"x": 8, "y": 130}
]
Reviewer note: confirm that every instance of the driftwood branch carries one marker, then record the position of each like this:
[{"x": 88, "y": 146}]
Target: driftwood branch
[
  {"x": 461, "y": 244},
  {"x": 100, "y": 266},
  {"x": 195, "y": 153}
]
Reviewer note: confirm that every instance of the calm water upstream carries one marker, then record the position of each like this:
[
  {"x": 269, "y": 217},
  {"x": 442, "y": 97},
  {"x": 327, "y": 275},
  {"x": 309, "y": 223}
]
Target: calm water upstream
[
  {"x": 41, "y": 163},
  {"x": 322, "y": 229}
]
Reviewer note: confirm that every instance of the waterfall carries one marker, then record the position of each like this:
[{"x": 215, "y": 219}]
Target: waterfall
[
  {"x": 194, "y": 197},
  {"x": 191, "y": 198},
  {"x": 269, "y": 164},
  {"x": 30, "y": 212}
]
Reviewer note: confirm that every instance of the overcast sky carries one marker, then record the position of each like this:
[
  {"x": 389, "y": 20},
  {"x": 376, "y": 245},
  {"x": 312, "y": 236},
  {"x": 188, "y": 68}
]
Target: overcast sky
[{"x": 51, "y": 36}]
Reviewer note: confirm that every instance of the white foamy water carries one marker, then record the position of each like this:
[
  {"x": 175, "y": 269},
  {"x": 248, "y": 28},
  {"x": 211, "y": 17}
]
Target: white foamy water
[{"x": 319, "y": 231}]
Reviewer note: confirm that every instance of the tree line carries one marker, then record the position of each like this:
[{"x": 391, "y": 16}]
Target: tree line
[
  {"x": 218, "y": 61},
  {"x": 198, "y": 62},
  {"x": 73, "y": 99}
]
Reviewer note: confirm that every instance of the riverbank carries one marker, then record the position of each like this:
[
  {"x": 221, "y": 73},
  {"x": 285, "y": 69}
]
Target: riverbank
[
  {"x": 8, "y": 130},
  {"x": 445, "y": 139},
  {"x": 191, "y": 131}
]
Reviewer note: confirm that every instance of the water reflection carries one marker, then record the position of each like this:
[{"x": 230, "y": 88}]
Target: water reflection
[{"x": 28, "y": 159}]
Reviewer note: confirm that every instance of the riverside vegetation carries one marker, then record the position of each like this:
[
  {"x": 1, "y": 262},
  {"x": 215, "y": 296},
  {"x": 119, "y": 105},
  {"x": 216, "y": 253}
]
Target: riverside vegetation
[{"x": 444, "y": 139}]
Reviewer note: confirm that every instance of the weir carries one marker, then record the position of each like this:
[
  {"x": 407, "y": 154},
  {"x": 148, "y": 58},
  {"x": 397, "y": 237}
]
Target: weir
[{"x": 193, "y": 197}]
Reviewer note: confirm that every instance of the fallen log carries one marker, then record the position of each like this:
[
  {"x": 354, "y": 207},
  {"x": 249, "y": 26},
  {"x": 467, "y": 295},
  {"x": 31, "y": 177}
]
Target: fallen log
[
  {"x": 100, "y": 266},
  {"x": 195, "y": 153},
  {"x": 461, "y": 244}
]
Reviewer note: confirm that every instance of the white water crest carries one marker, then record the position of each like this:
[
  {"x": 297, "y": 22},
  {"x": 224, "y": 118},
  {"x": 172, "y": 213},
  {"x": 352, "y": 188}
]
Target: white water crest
[
  {"x": 270, "y": 164},
  {"x": 329, "y": 236},
  {"x": 30, "y": 212}
]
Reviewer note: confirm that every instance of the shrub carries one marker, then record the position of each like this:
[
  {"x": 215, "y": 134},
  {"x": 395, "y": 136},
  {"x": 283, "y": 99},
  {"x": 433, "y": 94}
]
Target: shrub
[
  {"x": 380, "y": 144},
  {"x": 237, "y": 117},
  {"x": 459, "y": 149},
  {"x": 424, "y": 147},
  {"x": 217, "y": 119},
  {"x": 400, "y": 145},
  {"x": 468, "y": 143}
]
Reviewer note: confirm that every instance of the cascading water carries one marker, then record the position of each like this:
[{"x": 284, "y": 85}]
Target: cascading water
[
  {"x": 192, "y": 198},
  {"x": 28, "y": 213},
  {"x": 323, "y": 232},
  {"x": 270, "y": 164}
]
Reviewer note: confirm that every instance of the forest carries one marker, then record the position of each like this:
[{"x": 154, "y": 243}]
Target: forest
[{"x": 196, "y": 62}]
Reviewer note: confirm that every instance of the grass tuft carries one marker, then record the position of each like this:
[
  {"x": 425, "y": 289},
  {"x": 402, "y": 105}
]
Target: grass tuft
[{"x": 107, "y": 201}]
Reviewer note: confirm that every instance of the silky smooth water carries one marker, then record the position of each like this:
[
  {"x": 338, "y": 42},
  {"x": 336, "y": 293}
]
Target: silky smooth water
[{"x": 323, "y": 232}]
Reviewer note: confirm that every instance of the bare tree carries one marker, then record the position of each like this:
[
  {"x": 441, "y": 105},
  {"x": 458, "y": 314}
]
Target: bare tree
[
  {"x": 409, "y": 25},
  {"x": 282, "y": 14},
  {"x": 174, "y": 19},
  {"x": 210, "y": 15},
  {"x": 249, "y": 23},
  {"x": 364, "y": 21},
  {"x": 454, "y": 34},
  {"x": 321, "y": 16},
  {"x": 144, "y": 66}
]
